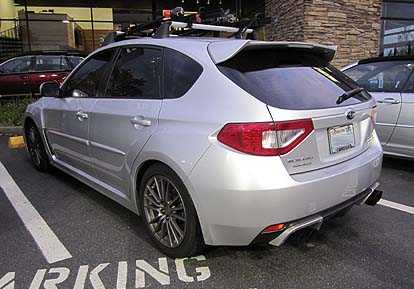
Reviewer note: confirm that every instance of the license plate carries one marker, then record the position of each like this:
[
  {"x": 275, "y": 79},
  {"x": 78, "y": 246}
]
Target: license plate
[{"x": 341, "y": 138}]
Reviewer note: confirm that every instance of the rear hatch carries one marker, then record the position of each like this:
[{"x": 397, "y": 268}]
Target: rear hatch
[{"x": 301, "y": 91}]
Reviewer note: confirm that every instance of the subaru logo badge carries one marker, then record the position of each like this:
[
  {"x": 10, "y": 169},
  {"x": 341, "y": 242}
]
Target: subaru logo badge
[{"x": 350, "y": 114}]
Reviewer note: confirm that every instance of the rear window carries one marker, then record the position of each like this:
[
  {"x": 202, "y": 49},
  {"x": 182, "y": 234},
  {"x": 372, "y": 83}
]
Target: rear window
[{"x": 290, "y": 79}]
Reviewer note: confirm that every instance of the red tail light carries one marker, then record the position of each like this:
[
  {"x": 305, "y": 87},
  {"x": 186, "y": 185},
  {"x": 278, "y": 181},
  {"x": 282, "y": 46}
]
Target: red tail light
[{"x": 265, "y": 138}]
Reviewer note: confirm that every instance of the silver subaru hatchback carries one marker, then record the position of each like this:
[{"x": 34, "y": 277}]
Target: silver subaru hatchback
[{"x": 212, "y": 141}]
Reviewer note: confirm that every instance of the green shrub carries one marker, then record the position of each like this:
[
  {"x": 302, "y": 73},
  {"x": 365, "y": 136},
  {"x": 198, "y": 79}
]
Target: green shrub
[{"x": 11, "y": 112}]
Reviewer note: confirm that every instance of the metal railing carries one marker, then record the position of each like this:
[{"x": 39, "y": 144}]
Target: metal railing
[
  {"x": 11, "y": 43},
  {"x": 13, "y": 32}
]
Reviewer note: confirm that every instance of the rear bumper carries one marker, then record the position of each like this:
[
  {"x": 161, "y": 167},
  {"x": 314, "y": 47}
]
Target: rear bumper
[
  {"x": 237, "y": 195},
  {"x": 316, "y": 221}
]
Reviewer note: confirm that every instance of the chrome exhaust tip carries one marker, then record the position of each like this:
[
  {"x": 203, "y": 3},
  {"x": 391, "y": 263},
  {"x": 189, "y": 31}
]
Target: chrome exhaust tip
[{"x": 373, "y": 198}]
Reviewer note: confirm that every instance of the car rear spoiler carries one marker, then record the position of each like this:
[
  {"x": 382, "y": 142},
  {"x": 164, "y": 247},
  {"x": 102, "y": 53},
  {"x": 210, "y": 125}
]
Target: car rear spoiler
[{"x": 221, "y": 51}]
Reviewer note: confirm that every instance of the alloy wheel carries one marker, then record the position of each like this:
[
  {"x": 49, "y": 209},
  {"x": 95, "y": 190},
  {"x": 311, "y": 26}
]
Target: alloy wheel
[
  {"x": 34, "y": 146},
  {"x": 165, "y": 211}
]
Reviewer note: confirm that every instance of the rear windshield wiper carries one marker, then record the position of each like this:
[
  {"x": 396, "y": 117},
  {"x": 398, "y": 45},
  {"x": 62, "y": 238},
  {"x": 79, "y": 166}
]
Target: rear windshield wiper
[{"x": 349, "y": 94}]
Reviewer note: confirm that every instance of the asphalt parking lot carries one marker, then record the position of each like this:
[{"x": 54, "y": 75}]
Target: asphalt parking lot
[{"x": 107, "y": 247}]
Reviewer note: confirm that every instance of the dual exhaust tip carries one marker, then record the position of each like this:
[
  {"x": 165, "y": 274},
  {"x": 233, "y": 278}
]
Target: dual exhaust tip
[{"x": 374, "y": 198}]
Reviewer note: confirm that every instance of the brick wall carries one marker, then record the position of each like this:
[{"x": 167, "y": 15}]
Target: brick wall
[
  {"x": 352, "y": 25},
  {"x": 287, "y": 20}
]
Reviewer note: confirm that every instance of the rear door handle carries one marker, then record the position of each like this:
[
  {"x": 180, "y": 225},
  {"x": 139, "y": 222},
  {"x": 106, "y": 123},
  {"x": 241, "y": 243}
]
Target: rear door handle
[
  {"x": 82, "y": 115},
  {"x": 389, "y": 101},
  {"x": 140, "y": 120},
  {"x": 24, "y": 77}
]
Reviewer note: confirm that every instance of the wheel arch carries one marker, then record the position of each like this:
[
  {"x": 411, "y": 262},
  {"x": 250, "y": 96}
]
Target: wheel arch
[
  {"x": 144, "y": 166},
  {"x": 146, "y": 163},
  {"x": 28, "y": 119},
  {"x": 31, "y": 116}
]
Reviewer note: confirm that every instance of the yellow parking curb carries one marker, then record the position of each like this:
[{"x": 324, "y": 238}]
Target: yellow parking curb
[{"x": 16, "y": 142}]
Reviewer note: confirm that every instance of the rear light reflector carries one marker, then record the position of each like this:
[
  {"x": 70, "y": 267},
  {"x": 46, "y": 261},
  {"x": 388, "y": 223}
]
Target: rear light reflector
[
  {"x": 265, "y": 138},
  {"x": 274, "y": 228},
  {"x": 292, "y": 133}
]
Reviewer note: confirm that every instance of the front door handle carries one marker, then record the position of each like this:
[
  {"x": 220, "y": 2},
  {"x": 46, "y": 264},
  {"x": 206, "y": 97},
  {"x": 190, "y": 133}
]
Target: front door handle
[
  {"x": 82, "y": 115},
  {"x": 389, "y": 100},
  {"x": 140, "y": 120},
  {"x": 24, "y": 77}
]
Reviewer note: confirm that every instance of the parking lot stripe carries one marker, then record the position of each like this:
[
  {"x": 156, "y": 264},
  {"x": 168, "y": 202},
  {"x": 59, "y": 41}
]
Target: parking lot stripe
[
  {"x": 396, "y": 206},
  {"x": 52, "y": 249}
]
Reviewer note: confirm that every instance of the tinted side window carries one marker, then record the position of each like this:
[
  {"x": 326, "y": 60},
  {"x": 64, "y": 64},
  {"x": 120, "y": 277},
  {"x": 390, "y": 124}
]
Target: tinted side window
[
  {"x": 18, "y": 65},
  {"x": 180, "y": 72},
  {"x": 86, "y": 80},
  {"x": 51, "y": 63},
  {"x": 387, "y": 76},
  {"x": 136, "y": 74},
  {"x": 409, "y": 88}
]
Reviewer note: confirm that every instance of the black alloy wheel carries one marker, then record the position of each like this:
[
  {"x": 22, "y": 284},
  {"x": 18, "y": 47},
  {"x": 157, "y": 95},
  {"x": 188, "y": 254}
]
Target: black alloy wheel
[{"x": 36, "y": 148}]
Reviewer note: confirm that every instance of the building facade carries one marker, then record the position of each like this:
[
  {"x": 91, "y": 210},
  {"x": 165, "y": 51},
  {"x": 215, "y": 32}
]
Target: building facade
[
  {"x": 359, "y": 29},
  {"x": 353, "y": 26}
]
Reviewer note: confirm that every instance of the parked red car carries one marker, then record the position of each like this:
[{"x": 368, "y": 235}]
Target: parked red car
[{"x": 23, "y": 75}]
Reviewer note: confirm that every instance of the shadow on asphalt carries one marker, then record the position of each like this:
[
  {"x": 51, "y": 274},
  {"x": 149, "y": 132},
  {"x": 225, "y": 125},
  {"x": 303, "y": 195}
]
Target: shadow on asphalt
[
  {"x": 398, "y": 163},
  {"x": 111, "y": 207}
]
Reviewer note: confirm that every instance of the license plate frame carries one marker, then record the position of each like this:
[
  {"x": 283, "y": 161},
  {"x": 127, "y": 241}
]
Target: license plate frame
[{"x": 341, "y": 138}]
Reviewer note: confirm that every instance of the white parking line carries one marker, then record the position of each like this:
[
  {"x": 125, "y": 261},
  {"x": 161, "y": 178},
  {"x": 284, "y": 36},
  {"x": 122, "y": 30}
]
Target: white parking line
[
  {"x": 396, "y": 206},
  {"x": 49, "y": 244}
]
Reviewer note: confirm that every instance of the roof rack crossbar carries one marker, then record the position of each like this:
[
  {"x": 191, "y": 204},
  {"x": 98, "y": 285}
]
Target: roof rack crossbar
[
  {"x": 210, "y": 27},
  {"x": 163, "y": 30}
]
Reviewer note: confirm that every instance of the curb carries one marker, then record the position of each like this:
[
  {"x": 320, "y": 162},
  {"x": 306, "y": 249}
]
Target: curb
[{"x": 15, "y": 130}]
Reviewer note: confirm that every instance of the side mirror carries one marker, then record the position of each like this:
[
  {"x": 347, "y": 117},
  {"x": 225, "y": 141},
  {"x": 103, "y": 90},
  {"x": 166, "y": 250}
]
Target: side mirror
[{"x": 49, "y": 89}]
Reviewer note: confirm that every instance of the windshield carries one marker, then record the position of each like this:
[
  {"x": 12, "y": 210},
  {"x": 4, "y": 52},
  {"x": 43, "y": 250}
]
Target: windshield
[{"x": 290, "y": 82}]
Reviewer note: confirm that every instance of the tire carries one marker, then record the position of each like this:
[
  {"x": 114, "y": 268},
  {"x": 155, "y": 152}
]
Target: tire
[
  {"x": 169, "y": 214},
  {"x": 36, "y": 148}
]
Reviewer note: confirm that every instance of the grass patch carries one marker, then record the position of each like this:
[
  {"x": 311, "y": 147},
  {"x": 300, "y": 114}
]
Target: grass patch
[{"x": 11, "y": 112}]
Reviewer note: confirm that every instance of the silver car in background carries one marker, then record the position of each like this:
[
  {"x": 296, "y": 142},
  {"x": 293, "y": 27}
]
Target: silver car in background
[
  {"x": 391, "y": 81},
  {"x": 212, "y": 141}
]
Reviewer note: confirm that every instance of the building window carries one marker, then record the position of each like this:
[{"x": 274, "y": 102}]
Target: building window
[{"x": 397, "y": 34}]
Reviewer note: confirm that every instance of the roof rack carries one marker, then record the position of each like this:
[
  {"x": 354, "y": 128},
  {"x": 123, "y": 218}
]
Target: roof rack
[
  {"x": 205, "y": 21},
  {"x": 163, "y": 30}
]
